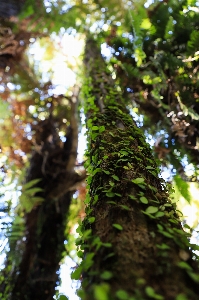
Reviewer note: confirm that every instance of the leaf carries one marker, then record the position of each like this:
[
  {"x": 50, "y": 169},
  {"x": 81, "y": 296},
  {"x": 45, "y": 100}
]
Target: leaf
[
  {"x": 149, "y": 168},
  {"x": 194, "y": 276},
  {"x": 184, "y": 265},
  {"x": 183, "y": 188},
  {"x": 144, "y": 200},
  {"x": 132, "y": 197},
  {"x": 101, "y": 129},
  {"x": 62, "y": 297},
  {"x": 118, "y": 226},
  {"x": 138, "y": 180},
  {"x": 101, "y": 292},
  {"x": 37, "y": 199},
  {"x": 126, "y": 168},
  {"x": 151, "y": 209},
  {"x": 115, "y": 177},
  {"x": 111, "y": 202},
  {"x": 31, "y": 183},
  {"x": 111, "y": 134},
  {"x": 95, "y": 128},
  {"x": 163, "y": 246},
  {"x": 91, "y": 219},
  {"x": 167, "y": 234},
  {"x": 151, "y": 293},
  {"x": 4, "y": 109},
  {"x": 146, "y": 24},
  {"x": 181, "y": 297},
  {"x": 97, "y": 170},
  {"x": 122, "y": 295},
  {"x": 106, "y": 275},
  {"x": 106, "y": 172},
  {"x": 33, "y": 191},
  {"x": 110, "y": 194},
  {"x": 159, "y": 214},
  {"x": 108, "y": 245},
  {"x": 77, "y": 273},
  {"x": 124, "y": 207}
]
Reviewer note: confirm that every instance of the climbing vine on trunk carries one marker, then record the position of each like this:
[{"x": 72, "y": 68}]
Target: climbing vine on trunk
[{"x": 132, "y": 242}]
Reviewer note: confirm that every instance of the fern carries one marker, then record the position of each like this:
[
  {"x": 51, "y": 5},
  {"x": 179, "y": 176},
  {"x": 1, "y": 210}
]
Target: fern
[
  {"x": 28, "y": 200},
  {"x": 193, "y": 43}
]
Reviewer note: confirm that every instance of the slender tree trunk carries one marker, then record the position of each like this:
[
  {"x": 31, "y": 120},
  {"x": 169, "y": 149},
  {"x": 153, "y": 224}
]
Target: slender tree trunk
[
  {"x": 134, "y": 245},
  {"x": 36, "y": 276}
]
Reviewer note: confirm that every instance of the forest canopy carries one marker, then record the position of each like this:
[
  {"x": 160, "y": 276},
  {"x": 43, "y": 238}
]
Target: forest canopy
[{"x": 125, "y": 75}]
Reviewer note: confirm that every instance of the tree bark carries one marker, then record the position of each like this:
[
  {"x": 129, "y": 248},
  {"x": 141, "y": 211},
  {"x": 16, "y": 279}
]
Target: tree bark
[
  {"x": 41, "y": 251},
  {"x": 133, "y": 241}
]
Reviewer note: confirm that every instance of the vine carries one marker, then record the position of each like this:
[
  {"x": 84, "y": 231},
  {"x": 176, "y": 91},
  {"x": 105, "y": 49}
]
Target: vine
[{"x": 127, "y": 204}]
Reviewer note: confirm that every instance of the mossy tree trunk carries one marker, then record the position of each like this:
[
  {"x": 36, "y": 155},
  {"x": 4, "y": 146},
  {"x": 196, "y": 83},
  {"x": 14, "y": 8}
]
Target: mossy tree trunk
[
  {"x": 134, "y": 245},
  {"x": 39, "y": 253}
]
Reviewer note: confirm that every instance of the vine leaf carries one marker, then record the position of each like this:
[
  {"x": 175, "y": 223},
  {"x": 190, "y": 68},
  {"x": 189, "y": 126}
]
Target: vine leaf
[
  {"x": 151, "y": 209},
  {"x": 118, "y": 226}
]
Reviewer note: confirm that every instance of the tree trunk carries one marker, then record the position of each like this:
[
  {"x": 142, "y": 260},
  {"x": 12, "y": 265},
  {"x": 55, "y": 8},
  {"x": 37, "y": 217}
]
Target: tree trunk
[
  {"x": 36, "y": 276},
  {"x": 134, "y": 245}
]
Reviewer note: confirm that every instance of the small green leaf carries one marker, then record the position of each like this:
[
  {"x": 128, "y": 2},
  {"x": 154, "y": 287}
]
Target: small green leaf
[
  {"x": 102, "y": 129},
  {"x": 165, "y": 233},
  {"x": 151, "y": 209},
  {"x": 106, "y": 275},
  {"x": 80, "y": 254},
  {"x": 97, "y": 170},
  {"x": 106, "y": 172},
  {"x": 62, "y": 297},
  {"x": 160, "y": 227},
  {"x": 37, "y": 200},
  {"x": 118, "y": 226},
  {"x": 95, "y": 128},
  {"x": 115, "y": 177},
  {"x": 31, "y": 183},
  {"x": 101, "y": 292},
  {"x": 77, "y": 273},
  {"x": 110, "y": 194},
  {"x": 138, "y": 180},
  {"x": 149, "y": 291},
  {"x": 91, "y": 219},
  {"x": 152, "y": 294},
  {"x": 124, "y": 152},
  {"x": 181, "y": 297},
  {"x": 111, "y": 202},
  {"x": 108, "y": 245},
  {"x": 95, "y": 198},
  {"x": 163, "y": 246},
  {"x": 117, "y": 194},
  {"x": 149, "y": 168},
  {"x": 184, "y": 265},
  {"x": 33, "y": 191},
  {"x": 126, "y": 168},
  {"x": 144, "y": 200},
  {"x": 124, "y": 207},
  {"x": 194, "y": 276},
  {"x": 159, "y": 214},
  {"x": 132, "y": 197},
  {"x": 122, "y": 295}
]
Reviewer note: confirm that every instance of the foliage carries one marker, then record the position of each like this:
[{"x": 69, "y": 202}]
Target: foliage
[{"x": 154, "y": 58}]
